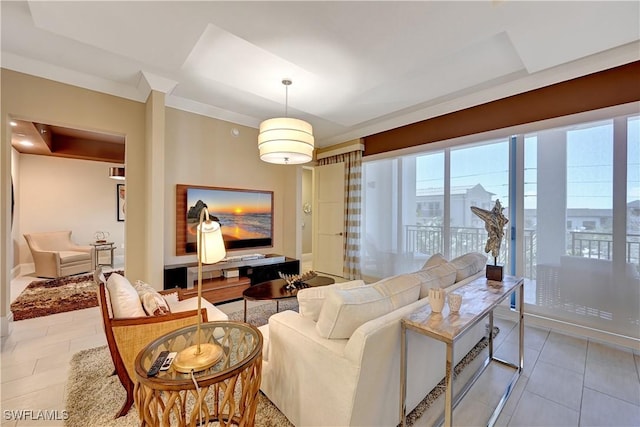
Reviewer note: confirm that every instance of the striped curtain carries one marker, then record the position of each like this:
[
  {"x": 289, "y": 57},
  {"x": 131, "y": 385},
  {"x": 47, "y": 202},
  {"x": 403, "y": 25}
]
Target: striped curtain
[{"x": 352, "y": 199}]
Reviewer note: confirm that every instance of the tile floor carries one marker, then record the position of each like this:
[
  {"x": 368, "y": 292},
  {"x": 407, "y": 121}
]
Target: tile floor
[{"x": 567, "y": 380}]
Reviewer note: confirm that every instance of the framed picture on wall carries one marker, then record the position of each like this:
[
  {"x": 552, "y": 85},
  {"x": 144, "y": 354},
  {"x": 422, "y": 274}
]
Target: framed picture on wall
[{"x": 120, "y": 192}]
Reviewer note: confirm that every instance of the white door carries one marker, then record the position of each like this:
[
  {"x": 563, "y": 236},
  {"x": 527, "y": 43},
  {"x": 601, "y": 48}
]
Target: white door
[{"x": 328, "y": 250}]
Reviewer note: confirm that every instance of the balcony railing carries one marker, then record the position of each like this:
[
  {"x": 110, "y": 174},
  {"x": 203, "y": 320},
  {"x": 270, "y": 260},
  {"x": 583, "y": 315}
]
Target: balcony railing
[
  {"x": 600, "y": 246},
  {"x": 421, "y": 239}
]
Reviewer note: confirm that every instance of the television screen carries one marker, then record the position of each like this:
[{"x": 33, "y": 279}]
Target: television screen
[{"x": 245, "y": 216}]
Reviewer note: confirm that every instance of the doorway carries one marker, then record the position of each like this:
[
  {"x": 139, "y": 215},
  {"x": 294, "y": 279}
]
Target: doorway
[
  {"x": 307, "y": 219},
  {"x": 60, "y": 179}
]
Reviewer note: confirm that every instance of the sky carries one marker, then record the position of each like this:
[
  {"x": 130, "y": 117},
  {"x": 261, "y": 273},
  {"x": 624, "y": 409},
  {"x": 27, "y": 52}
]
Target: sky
[
  {"x": 589, "y": 166},
  {"x": 231, "y": 202}
]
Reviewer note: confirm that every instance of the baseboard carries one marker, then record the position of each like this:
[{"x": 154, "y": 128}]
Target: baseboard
[
  {"x": 22, "y": 270},
  {"x": 4, "y": 324},
  {"x": 570, "y": 328},
  {"x": 118, "y": 261},
  {"x": 15, "y": 271}
]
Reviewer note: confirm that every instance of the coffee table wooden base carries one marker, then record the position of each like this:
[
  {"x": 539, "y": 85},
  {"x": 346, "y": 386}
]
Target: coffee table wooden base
[{"x": 219, "y": 402}]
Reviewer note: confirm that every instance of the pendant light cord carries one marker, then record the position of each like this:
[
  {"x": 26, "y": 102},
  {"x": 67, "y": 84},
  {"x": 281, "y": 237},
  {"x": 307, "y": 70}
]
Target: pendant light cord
[{"x": 286, "y": 83}]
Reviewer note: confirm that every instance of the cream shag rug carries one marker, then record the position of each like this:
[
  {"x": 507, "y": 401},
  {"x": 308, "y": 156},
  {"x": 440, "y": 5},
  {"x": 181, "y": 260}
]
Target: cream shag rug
[{"x": 94, "y": 393}]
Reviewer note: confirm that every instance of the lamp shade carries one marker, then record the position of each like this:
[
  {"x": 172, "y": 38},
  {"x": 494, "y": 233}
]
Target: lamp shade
[
  {"x": 210, "y": 244},
  {"x": 285, "y": 140},
  {"x": 203, "y": 355},
  {"x": 116, "y": 173}
]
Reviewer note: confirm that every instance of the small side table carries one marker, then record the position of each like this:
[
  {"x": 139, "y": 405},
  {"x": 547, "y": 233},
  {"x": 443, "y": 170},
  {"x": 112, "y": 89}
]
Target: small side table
[
  {"x": 103, "y": 247},
  {"x": 228, "y": 390}
]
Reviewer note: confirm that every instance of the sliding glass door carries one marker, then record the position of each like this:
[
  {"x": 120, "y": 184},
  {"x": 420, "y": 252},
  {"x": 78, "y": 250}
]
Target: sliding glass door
[
  {"x": 579, "y": 205},
  {"x": 580, "y": 209}
]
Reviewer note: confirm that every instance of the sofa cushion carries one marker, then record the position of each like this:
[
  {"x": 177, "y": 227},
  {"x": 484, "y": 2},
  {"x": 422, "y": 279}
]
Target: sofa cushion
[
  {"x": 152, "y": 302},
  {"x": 434, "y": 260},
  {"x": 125, "y": 301},
  {"x": 310, "y": 300},
  {"x": 344, "y": 310},
  {"x": 403, "y": 289},
  {"x": 468, "y": 264},
  {"x": 73, "y": 256},
  {"x": 438, "y": 276}
]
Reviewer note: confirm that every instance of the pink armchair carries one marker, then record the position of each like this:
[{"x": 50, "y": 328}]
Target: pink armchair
[{"x": 55, "y": 255}]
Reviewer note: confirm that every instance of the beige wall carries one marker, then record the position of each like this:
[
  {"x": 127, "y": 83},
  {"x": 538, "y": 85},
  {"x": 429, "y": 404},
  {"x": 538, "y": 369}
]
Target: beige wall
[
  {"x": 31, "y": 98},
  {"x": 65, "y": 194},
  {"x": 202, "y": 151},
  {"x": 155, "y": 148},
  {"x": 164, "y": 147}
]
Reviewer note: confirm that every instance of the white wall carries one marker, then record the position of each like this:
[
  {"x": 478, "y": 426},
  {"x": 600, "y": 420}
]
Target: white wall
[{"x": 65, "y": 194}]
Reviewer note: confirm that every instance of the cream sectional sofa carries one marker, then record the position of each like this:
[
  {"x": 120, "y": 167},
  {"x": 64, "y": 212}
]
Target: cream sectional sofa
[{"x": 337, "y": 362}]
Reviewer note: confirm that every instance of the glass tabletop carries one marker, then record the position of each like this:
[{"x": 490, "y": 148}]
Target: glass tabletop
[{"x": 240, "y": 342}]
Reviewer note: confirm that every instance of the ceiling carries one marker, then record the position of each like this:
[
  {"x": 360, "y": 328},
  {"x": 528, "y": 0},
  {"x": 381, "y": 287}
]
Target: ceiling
[
  {"x": 43, "y": 139},
  {"x": 357, "y": 68}
]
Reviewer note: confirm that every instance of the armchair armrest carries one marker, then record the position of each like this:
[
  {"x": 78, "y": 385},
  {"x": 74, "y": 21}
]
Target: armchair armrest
[
  {"x": 47, "y": 263},
  {"x": 79, "y": 248}
]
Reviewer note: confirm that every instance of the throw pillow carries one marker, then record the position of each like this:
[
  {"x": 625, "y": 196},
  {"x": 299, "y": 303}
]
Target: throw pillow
[
  {"x": 310, "y": 300},
  {"x": 468, "y": 264},
  {"x": 439, "y": 276},
  {"x": 125, "y": 301},
  {"x": 153, "y": 303},
  {"x": 344, "y": 310},
  {"x": 403, "y": 289},
  {"x": 435, "y": 260}
]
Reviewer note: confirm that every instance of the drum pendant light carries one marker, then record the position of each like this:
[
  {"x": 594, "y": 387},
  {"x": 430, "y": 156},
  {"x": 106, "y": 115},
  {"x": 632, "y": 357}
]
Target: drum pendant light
[{"x": 286, "y": 140}]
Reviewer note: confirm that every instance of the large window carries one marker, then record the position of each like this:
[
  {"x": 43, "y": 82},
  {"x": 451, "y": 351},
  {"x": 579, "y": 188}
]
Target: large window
[
  {"x": 586, "y": 269},
  {"x": 410, "y": 214},
  {"x": 580, "y": 234},
  {"x": 479, "y": 177}
]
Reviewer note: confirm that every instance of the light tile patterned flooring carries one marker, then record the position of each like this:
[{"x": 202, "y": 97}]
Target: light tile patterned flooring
[{"x": 567, "y": 380}]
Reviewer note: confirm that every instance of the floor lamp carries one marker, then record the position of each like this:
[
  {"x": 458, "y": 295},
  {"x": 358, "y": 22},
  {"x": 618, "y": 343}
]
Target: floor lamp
[{"x": 210, "y": 249}]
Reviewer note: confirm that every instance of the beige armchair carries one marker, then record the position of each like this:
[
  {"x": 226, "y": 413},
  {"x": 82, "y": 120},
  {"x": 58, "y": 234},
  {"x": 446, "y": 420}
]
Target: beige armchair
[{"x": 55, "y": 255}]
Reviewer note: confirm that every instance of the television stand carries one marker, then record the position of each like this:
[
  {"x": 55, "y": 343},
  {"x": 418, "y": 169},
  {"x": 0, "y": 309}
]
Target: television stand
[{"x": 216, "y": 288}]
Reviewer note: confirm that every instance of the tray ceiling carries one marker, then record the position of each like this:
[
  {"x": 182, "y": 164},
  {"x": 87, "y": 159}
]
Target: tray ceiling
[{"x": 357, "y": 67}]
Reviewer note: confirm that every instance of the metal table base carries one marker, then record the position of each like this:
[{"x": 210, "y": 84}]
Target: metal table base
[{"x": 452, "y": 401}]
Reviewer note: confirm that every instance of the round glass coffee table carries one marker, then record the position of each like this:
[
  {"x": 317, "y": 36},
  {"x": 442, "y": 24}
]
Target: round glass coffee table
[
  {"x": 228, "y": 390},
  {"x": 275, "y": 290}
]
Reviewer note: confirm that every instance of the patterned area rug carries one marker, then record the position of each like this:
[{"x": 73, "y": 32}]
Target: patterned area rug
[
  {"x": 94, "y": 394},
  {"x": 46, "y": 297}
]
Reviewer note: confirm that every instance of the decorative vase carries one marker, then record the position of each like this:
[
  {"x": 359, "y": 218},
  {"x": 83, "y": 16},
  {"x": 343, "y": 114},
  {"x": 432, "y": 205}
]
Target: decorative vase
[
  {"x": 436, "y": 299},
  {"x": 455, "y": 301}
]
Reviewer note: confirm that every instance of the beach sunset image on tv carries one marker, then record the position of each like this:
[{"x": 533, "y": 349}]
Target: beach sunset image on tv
[{"x": 245, "y": 216}]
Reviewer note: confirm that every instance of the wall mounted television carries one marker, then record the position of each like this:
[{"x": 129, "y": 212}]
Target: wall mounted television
[{"x": 245, "y": 216}]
